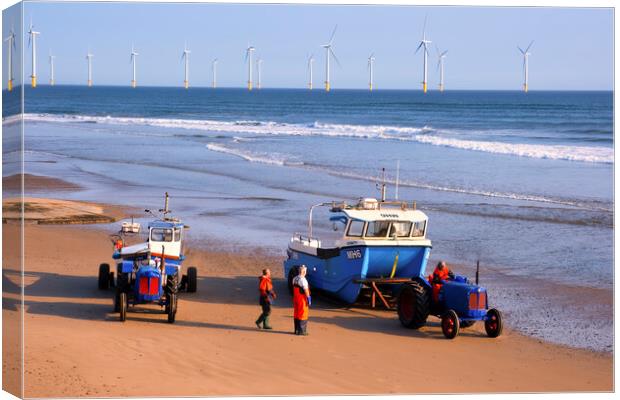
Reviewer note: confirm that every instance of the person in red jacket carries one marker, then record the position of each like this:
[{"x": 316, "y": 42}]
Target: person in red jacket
[
  {"x": 301, "y": 302},
  {"x": 267, "y": 295},
  {"x": 441, "y": 273}
]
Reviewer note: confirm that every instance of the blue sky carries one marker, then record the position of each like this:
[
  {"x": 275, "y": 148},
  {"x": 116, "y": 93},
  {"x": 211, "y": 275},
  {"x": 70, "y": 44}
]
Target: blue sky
[{"x": 573, "y": 48}]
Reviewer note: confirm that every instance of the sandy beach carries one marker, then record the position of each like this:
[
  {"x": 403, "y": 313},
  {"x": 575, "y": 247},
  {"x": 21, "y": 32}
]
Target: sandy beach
[{"x": 75, "y": 346}]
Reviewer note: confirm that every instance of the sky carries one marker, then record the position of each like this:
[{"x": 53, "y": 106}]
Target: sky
[{"x": 572, "y": 50}]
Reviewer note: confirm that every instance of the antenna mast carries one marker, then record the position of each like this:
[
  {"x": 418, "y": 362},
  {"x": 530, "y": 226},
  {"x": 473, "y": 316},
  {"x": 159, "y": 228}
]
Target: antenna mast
[{"x": 383, "y": 185}]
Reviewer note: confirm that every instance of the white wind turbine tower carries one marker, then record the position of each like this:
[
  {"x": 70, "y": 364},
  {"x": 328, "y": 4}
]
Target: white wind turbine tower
[
  {"x": 214, "y": 68},
  {"x": 259, "y": 62},
  {"x": 52, "y": 80},
  {"x": 11, "y": 40},
  {"x": 89, "y": 58},
  {"x": 441, "y": 56},
  {"x": 526, "y": 56},
  {"x": 310, "y": 65},
  {"x": 33, "y": 40},
  {"x": 185, "y": 57},
  {"x": 328, "y": 51},
  {"x": 132, "y": 60},
  {"x": 248, "y": 59},
  {"x": 424, "y": 43},
  {"x": 371, "y": 63}
]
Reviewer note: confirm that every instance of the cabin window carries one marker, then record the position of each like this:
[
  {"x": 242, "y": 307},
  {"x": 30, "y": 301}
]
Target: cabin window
[
  {"x": 377, "y": 229},
  {"x": 356, "y": 228},
  {"x": 161, "y": 235},
  {"x": 400, "y": 229},
  {"x": 418, "y": 229},
  {"x": 177, "y": 234}
]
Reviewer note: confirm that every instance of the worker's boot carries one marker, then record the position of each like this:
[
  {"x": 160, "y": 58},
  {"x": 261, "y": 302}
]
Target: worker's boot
[
  {"x": 266, "y": 323},
  {"x": 260, "y": 321}
]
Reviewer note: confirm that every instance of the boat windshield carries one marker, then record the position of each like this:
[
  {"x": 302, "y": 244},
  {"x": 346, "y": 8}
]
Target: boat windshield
[
  {"x": 377, "y": 229},
  {"x": 161, "y": 235},
  {"x": 400, "y": 229}
]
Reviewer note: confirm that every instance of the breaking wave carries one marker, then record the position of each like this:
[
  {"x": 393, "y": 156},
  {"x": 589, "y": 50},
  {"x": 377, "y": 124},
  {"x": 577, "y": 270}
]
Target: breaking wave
[{"x": 425, "y": 134}]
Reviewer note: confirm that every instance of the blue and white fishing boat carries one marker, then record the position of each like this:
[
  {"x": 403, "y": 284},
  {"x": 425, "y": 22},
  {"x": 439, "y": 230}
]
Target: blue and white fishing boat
[{"x": 381, "y": 239}]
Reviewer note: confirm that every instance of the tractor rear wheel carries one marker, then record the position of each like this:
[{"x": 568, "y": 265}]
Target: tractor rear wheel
[
  {"x": 192, "y": 279},
  {"x": 291, "y": 275},
  {"x": 413, "y": 306},
  {"x": 450, "y": 324},
  {"x": 493, "y": 324},
  {"x": 122, "y": 306},
  {"x": 104, "y": 276},
  {"x": 171, "y": 307}
]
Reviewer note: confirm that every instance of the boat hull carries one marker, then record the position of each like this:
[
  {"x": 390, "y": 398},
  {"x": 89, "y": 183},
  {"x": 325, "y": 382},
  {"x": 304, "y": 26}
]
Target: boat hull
[{"x": 337, "y": 271}]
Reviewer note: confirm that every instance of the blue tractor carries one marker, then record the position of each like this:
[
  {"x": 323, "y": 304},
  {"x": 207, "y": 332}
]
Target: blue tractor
[
  {"x": 460, "y": 304},
  {"x": 150, "y": 272}
]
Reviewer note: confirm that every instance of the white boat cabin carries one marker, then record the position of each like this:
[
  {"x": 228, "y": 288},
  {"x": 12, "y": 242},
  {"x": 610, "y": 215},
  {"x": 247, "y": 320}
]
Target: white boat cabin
[
  {"x": 165, "y": 238},
  {"x": 369, "y": 223}
]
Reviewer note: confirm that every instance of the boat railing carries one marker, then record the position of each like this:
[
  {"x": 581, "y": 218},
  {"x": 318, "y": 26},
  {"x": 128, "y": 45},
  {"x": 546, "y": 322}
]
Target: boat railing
[{"x": 306, "y": 240}]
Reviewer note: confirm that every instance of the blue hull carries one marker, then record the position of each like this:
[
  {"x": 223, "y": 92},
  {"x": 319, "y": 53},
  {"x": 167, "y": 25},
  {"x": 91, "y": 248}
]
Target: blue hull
[{"x": 335, "y": 273}]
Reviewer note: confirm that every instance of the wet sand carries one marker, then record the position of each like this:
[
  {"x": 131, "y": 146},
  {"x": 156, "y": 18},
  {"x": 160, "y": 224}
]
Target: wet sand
[{"x": 75, "y": 345}]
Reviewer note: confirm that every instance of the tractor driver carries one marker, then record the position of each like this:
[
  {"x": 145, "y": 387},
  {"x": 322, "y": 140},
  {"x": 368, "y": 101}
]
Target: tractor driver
[{"x": 441, "y": 273}]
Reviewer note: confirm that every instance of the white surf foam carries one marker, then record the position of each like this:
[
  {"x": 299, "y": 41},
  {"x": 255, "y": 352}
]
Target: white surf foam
[
  {"x": 271, "y": 159},
  {"x": 425, "y": 134}
]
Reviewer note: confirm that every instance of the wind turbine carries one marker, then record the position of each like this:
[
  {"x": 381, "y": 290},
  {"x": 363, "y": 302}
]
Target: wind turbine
[
  {"x": 424, "y": 43},
  {"x": 11, "y": 40},
  {"x": 526, "y": 56},
  {"x": 214, "y": 68},
  {"x": 441, "y": 56},
  {"x": 310, "y": 64},
  {"x": 132, "y": 60},
  {"x": 328, "y": 50},
  {"x": 33, "y": 39},
  {"x": 185, "y": 56},
  {"x": 52, "y": 80},
  {"x": 259, "y": 61},
  {"x": 371, "y": 63},
  {"x": 89, "y": 58},
  {"x": 248, "y": 59}
]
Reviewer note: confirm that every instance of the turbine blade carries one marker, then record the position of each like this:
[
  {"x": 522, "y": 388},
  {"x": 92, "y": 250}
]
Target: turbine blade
[
  {"x": 333, "y": 33},
  {"x": 521, "y": 50},
  {"x": 444, "y": 53},
  {"x": 335, "y": 58},
  {"x": 424, "y": 28},
  {"x": 530, "y": 45},
  {"x": 416, "y": 50}
]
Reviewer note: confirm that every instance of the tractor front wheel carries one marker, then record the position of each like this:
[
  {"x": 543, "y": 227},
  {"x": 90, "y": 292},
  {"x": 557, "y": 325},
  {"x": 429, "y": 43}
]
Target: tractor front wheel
[
  {"x": 192, "y": 279},
  {"x": 104, "y": 276},
  {"x": 413, "y": 305},
  {"x": 493, "y": 324},
  {"x": 122, "y": 306},
  {"x": 450, "y": 324}
]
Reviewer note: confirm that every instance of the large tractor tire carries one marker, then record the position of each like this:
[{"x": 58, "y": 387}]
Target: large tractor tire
[
  {"x": 192, "y": 279},
  {"x": 450, "y": 324},
  {"x": 292, "y": 273},
  {"x": 123, "y": 306},
  {"x": 172, "y": 283},
  {"x": 171, "y": 306},
  {"x": 493, "y": 324},
  {"x": 104, "y": 276},
  {"x": 413, "y": 306}
]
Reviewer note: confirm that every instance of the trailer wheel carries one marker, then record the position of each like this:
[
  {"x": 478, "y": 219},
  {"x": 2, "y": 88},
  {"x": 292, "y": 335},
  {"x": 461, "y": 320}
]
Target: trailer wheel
[
  {"x": 493, "y": 324},
  {"x": 104, "y": 276},
  {"x": 291, "y": 275},
  {"x": 413, "y": 305},
  {"x": 122, "y": 306},
  {"x": 192, "y": 279},
  {"x": 171, "y": 306},
  {"x": 450, "y": 324}
]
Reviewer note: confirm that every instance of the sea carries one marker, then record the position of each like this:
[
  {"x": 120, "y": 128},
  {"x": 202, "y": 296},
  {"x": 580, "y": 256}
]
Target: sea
[{"x": 521, "y": 183}]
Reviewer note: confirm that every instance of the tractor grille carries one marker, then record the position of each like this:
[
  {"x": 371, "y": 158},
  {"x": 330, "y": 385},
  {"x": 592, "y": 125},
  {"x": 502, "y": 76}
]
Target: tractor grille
[
  {"x": 478, "y": 301},
  {"x": 149, "y": 286}
]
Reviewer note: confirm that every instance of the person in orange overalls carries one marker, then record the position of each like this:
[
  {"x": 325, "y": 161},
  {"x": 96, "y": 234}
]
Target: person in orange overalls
[
  {"x": 441, "y": 273},
  {"x": 301, "y": 302},
  {"x": 267, "y": 294}
]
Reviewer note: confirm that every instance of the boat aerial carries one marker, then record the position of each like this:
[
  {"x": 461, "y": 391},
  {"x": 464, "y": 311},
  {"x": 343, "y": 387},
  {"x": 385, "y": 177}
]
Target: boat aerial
[{"x": 381, "y": 239}]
